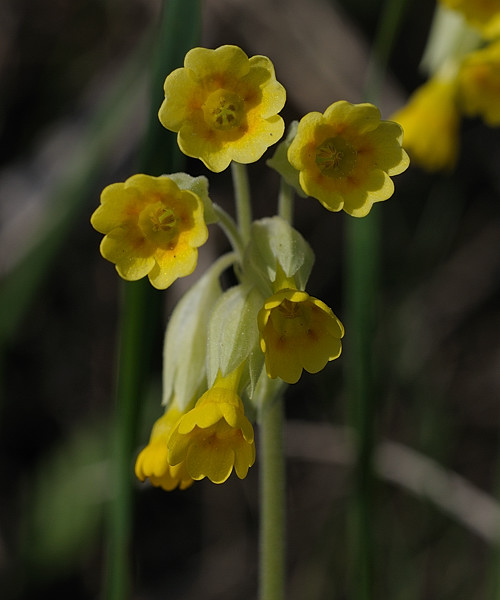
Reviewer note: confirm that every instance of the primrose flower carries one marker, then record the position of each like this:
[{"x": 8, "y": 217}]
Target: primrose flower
[
  {"x": 151, "y": 228},
  {"x": 215, "y": 435},
  {"x": 297, "y": 332},
  {"x": 153, "y": 460},
  {"x": 224, "y": 106},
  {"x": 482, "y": 14},
  {"x": 431, "y": 122},
  {"x": 345, "y": 157},
  {"x": 479, "y": 84}
]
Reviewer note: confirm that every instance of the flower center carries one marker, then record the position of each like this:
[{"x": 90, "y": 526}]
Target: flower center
[
  {"x": 158, "y": 223},
  {"x": 289, "y": 309},
  {"x": 289, "y": 319},
  {"x": 335, "y": 157},
  {"x": 223, "y": 110}
]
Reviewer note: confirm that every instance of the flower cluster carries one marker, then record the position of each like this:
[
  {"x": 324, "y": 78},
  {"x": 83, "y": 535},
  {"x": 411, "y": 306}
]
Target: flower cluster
[
  {"x": 465, "y": 82},
  {"x": 223, "y": 345}
]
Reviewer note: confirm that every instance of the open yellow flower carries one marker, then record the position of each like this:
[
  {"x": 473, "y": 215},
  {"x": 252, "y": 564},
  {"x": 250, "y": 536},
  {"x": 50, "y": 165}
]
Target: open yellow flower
[
  {"x": 345, "y": 157},
  {"x": 215, "y": 436},
  {"x": 431, "y": 122},
  {"x": 297, "y": 332},
  {"x": 151, "y": 228},
  {"x": 479, "y": 84},
  {"x": 482, "y": 14},
  {"x": 224, "y": 106},
  {"x": 153, "y": 460}
]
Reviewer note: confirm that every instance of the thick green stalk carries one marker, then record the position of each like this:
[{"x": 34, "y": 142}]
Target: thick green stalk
[
  {"x": 141, "y": 315},
  {"x": 272, "y": 494}
]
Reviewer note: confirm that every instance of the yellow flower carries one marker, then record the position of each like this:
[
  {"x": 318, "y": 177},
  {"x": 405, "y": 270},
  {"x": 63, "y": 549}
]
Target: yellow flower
[
  {"x": 215, "y": 435},
  {"x": 151, "y": 228},
  {"x": 345, "y": 157},
  {"x": 431, "y": 123},
  {"x": 224, "y": 106},
  {"x": 482, "y": 14},
  {"x": 297, "y": 332},
  {"x": 479, "y": 84},
  {"x": 153, "y": 460}
]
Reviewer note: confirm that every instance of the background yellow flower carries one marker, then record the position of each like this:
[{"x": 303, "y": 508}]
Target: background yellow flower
[
  {"x": 345, "y": 156},
  {"x": 152, "y": 461},
  {"x": 479, "y": 84},
  {"x": 224, "y": 106},
  {"x": 431, "y": 123},
  {"x": 151, "y": 228},
  {"x": 482, "y": 14}
]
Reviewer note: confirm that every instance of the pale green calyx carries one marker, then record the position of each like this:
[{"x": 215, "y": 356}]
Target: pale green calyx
[
  {"x": 275, "y": 242},
  {"x": 232, "y": 333},
  {"x": 185, "y": 348},
  {"x": 450, "y": 39}
]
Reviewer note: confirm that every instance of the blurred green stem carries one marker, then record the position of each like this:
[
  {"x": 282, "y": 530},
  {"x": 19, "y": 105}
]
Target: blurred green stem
[
  {"x": 242, "y": 199},
  {"x": 285, "y": 201},
  {"x": 362, "y": 253},
  {"x": 272, "y": 495},
  {"x": 141, "y": 315},
  {"x": 135, "y": 305}
]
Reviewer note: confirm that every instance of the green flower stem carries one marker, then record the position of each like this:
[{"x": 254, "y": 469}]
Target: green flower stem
[
  {"x": 242, "y": 198},
  {"x": 361, "y": 299},
  {"x": 272, "y": 494},
  {"x": 136, "y": 306},
  {"x": 228, "y": 225},
  {"x": 285, "y": 201}
]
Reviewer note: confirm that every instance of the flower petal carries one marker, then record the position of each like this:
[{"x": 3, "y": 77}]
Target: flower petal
[{"x": 206, "y": 461}]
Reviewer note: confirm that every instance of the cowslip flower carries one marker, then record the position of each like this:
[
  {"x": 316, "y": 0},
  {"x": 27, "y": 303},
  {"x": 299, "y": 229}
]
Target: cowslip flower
[
  {"x": 297, "y": 332},
  {"x": 224, "y": 106},
  {"x": 151, "y": 228},
  {"x": 215, "y": 436},
  {"x": 431, "y": 122},
  {"x": 153, "y": 461},
  {"x": 482, "y": 14},
  {"x": 345, "y": 157},
  {"x": 479, "y": 84}
]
